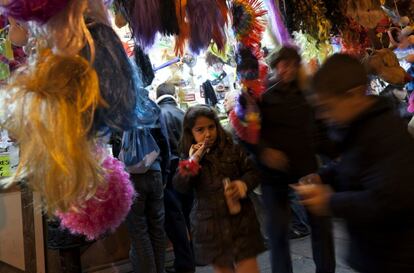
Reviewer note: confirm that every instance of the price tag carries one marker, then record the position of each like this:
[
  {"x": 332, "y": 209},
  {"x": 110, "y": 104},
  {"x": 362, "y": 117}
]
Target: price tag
[{"x": 5, "y": 165}]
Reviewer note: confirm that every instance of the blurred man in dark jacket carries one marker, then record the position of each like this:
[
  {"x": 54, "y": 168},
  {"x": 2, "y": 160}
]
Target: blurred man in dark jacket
[
  {"x": 177, "y": 205},
  {"x": 373, "y": 180},
  {"x": 286, "y": 153}
]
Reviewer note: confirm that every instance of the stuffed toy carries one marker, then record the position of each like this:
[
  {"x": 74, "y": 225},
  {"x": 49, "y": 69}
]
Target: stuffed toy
[{"x": 384, "y": 63}]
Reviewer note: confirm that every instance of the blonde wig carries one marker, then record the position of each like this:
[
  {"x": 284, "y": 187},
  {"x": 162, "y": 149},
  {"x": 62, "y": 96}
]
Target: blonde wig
[{"x": 51, "y": 110}]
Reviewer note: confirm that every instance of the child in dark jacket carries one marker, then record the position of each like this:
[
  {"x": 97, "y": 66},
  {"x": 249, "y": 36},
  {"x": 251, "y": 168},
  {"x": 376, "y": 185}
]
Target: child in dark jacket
[{"x": 224, "y": 235}]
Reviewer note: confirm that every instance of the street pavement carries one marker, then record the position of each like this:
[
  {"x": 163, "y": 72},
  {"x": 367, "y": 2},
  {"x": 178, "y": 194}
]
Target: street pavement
[{"x": 302, "y": 254}]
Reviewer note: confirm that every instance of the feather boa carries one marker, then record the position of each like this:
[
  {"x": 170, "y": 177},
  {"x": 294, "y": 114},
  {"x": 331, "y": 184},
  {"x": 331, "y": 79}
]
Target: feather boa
[
  {"x": 107, "y": 209},
  {"x": 248, "y": 24}
]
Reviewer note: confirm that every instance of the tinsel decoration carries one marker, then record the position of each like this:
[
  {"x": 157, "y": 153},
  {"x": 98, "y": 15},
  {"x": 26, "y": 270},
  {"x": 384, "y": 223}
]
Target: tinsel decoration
[
  {"x": 310, "y": 17},
  {"x": 189, "y": 168},
  {"x": 248, "y": 21},
  {"x": 206, "y": 24},
  {"x": 107, "y": 209},
  {"x": 311, "y": 49},
  {"x": 33, "y": 10}
]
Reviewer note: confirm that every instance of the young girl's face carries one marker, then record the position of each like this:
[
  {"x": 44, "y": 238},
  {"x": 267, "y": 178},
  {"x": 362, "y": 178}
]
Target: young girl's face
[{"x": 205, "y": 129}]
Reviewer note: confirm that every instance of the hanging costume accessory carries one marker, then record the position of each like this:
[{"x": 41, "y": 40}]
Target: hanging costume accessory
[{"x": 107, "y": 209}]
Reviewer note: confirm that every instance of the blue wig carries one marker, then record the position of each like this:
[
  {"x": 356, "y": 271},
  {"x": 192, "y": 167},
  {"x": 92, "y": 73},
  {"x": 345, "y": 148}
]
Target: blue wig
[{"x": 119, "y": 84}]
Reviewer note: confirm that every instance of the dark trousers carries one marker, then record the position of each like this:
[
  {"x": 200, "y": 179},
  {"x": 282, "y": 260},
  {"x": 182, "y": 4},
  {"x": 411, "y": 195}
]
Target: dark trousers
[
  {"x": 176, "y": 229},
  {"x": 145, "y": 224},
  {"x": 185, "y": 200},
  {"x": 277, "y": 203}
]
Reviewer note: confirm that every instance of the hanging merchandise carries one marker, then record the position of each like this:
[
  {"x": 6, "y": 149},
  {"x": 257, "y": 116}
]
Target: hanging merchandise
[
  {"x": 144, "y": 18},
  {"x": 107, "y": 209},
  {"x": 169, "y": 18},
  {"x": 365, "y": 12},
  {"x": 118, "y": 87},
  {"x": 144, "y": 66},
  {"x": 50, "y": 110},
  {"x": 335, "y": 13},
  {"x": 385, "y": 65},
  {"x": 248, "y": 22},
  {"x": 6, "y": 56},
  {"x": 311, "y": 49},
  {"x": 251, "y": 70},
  {"x": 33, "y": 10},
  {"x": 277, "y": 23},
  {"x": 248, "y": 26},
  {"x": 209, "y": 94},
  {"x": 183, "y": 25},
  {"x": 207, "y": 24}
]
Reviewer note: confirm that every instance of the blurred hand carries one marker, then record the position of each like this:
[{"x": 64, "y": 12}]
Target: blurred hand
[
  {"x": 311, "y": 179},
  {"x": 274, "y": 159},
  {"x": 236, "y": 190},
  {"x": 315, "y": 197}
]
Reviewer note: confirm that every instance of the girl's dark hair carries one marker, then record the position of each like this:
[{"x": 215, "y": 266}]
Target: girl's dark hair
[{"x": 190, "y": 118}]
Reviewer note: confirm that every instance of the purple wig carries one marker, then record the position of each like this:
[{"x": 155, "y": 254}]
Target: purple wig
[
  {"x": 145, "y": 21},
  {"x": 34, "y": 10},
  {"x": 206, "y": 24}
]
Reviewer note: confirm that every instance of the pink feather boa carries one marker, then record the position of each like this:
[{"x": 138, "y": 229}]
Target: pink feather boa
[{"x": 107, "y": 209}]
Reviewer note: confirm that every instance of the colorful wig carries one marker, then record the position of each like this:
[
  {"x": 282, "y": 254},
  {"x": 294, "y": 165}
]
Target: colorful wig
[
  {"x": 67, "y": 33},
  {"x": 207, "y": 24},
  {"x": 183, "y": 25},
  {"x": 50, "y": 114},
  {"x": 145, "y": 21},
  {"x": 34, "y": 10},
  {"x": 117, "y": 84}
]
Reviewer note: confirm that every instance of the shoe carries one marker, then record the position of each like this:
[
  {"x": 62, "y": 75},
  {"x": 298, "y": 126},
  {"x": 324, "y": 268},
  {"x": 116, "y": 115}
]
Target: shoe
[{"x": 296, "y": 234}]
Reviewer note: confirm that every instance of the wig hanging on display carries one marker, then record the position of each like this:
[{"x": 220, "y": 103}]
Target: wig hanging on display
[
  {"x": 207, "y": 24},
  {"x": 248, "y": 22},
  {"x": 145, "y": 21},
  {"x": 33, "y": 10},
  {"x": 183, "y": 25},
  {"x": 169, "y": 18},
  {"x": 117, "y": 85},
  {"x": 50, "y": 110},
  {"x": 144, "y": 66},
  {"x": 60, "y": 23}
]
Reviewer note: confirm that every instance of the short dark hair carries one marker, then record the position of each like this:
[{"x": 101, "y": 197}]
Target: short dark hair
[
  {"x": 165, "y": 89},
  {"x": 190, "y": 119},
  {"x": 340, "y": 73},
  {"x": 286, "y": 53}
]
